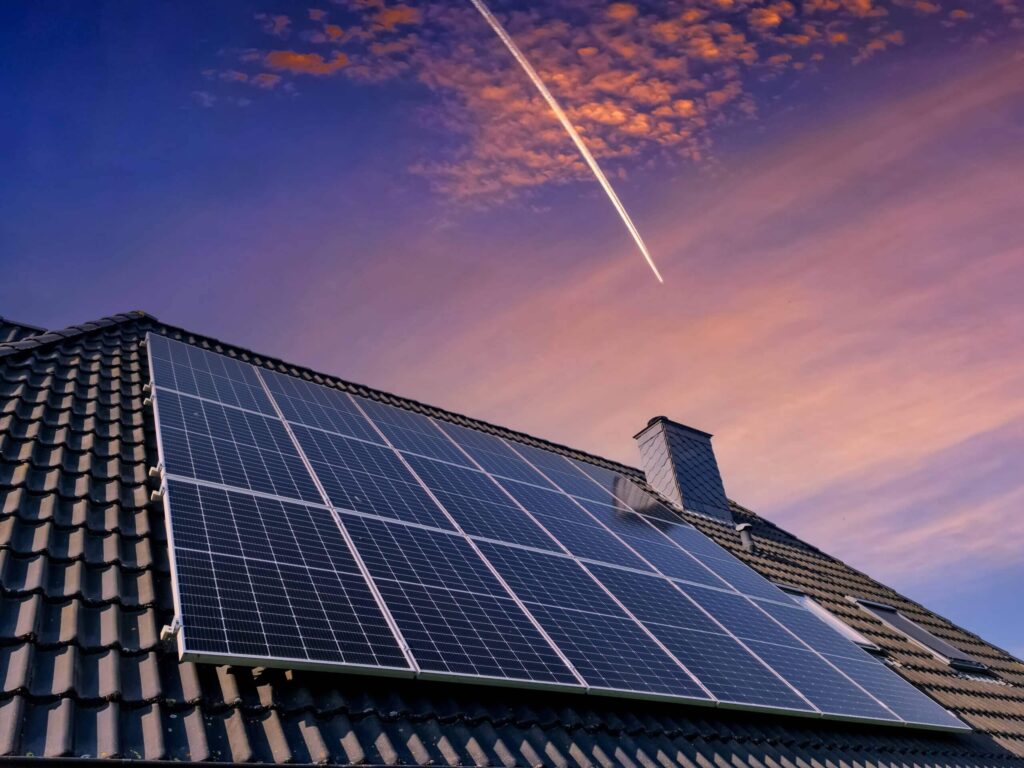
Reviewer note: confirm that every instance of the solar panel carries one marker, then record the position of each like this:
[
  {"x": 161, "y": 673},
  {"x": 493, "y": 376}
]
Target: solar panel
[
  {"x": 220, "y": 444},
  {"x": 271, "y": 580},
  {"x": 452, "y": 611},
  {"x": 310, "y": 527},
  {"x": 608, "y": 647},
  {"x": 494, "y": 455},
  {"x": 193, "y": 371},
  {"x": 303, "y": 402},
  {"x": 365, "y": 477}
]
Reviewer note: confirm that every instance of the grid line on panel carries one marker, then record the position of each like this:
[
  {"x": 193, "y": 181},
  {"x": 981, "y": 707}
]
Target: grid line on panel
[
  {"x": 581, "y": 510},
  {"x": 410, "y": 432},
  {"x": 452, "y": 610},
  {"x": 494, "y": 571},
  {"x": 198, "y": 372},
  {"x": 552, "y": 582},
  {"x": 282, "y": 599},
  {"x": 478, "y": 504},
  {"x": 757, "y": 629},
  {"x": 729, "y": 564},
  {"x": 492, "y": 455},
  {"x": 363, "y": 570},
  {"x": 645, "y": 595},
  {"x": 626, "y": 491},
  {"x": 559, "y": 471},
  {"x": 900, "y": 696},
  {"x": 367, "y": 477},
  {"x": 317, "y": 406},
  {"x": 210, "y": 441}
]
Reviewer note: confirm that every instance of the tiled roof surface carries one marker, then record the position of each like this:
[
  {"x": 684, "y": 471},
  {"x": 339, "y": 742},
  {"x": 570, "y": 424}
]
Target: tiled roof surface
[
  {"x": 86, "y": 588},
  {"x": 11, "y": 330}
]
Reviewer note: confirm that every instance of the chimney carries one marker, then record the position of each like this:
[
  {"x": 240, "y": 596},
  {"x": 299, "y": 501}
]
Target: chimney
[{"x": 680, "y": 464}]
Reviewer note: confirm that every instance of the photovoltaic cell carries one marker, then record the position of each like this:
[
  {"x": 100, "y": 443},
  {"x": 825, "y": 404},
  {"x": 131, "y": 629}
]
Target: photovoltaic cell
[
  {"x": 813, "y": 631},
  {"x": 693, "y": 541},
  {"x": 493, "y": 454},
  {"x": 563, "y": 474},
  {"x": 673, "y": 561},
  {"x": 895, "y": 692},
  {"x": 364, "y": 477},
  {"x": 212, "y": 442},
  {"x": 592, "y": 542},
  {"x": 597, "y": 570},
  {"x": 478, "y": 504},
  {"x": 743, "y": 578},
  {"x": 420, "y": 556},
  {"x": 824, "y": 686},
  {"x": 303, "y": 402},
  {"x": 615, "y": 653},
  {"x": 607, "y": 647},
  {"x": 247, "y": 587},
  {"x": 193, "y": 371},
  {"x": 412, "y": 432},
  {"x": 545, "y": 504},
  {"x": 462, "y": 633},
  {"x": 452, "y": 611},
  {"x": 653, "y": 599},
  {"x": 631, "y": 495},
  {"x": 728, "y": 670},
  {"x": 554, "y": 580},
  {"x": 741, "y": 617}
]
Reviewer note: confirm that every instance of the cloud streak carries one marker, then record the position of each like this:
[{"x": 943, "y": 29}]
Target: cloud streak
[{"x": 570, "y": 129}]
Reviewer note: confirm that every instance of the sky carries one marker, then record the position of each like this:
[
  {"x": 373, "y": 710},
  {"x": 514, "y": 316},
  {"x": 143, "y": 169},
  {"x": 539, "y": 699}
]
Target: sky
[{"x": 833, "y": 191}]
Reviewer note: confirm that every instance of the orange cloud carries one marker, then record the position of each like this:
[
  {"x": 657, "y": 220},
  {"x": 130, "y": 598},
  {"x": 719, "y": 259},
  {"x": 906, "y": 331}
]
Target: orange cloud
[
  {"x": 266, "y": 80},
  {"x": 396, "y": 15},
  {"x": 622, "y": 11},
  {"x": 305, "y": 63},
  {"x": 620, "y": 69}
]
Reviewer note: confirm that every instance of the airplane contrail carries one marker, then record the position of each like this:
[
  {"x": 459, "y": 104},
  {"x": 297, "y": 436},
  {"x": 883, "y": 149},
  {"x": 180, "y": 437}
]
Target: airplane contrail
[{"x": 569, "y": 128}]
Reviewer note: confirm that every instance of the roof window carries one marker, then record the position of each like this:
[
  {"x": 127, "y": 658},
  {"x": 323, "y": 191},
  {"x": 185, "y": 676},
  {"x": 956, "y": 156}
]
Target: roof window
[{"x": 938, "y": 647}]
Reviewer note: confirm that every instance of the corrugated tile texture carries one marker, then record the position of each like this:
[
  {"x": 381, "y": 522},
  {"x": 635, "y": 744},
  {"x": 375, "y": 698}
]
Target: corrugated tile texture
[
  {"x": 85, "y": 589},
  {"x": 11, "y": 330}
]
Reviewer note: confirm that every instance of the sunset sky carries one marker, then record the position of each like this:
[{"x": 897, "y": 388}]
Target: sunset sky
[{"x": 833, "y": 191}]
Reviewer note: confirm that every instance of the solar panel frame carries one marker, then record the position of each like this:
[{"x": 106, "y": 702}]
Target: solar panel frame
[
  {"x": 591, "y": 489},
  {"x": 182, "y": 450},
  {"x": 208, "y": 653}
]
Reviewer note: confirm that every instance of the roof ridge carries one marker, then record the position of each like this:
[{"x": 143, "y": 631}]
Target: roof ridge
[
  {"x": 73, "y": 331},
  {"x": 29, "y": 326}
]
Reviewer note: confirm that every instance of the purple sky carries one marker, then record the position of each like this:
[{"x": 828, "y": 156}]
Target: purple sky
[{"x": 834, "y": 192}]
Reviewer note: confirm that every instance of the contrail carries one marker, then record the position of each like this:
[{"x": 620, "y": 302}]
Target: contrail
[{"x": 569, "y": 128}]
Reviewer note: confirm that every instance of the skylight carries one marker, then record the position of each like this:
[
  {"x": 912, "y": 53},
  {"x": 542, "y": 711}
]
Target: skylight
[{"x": 915, "y": 632}]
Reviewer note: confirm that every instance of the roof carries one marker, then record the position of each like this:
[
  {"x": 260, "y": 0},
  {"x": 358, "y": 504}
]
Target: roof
[
  {"x": 86, "y": 587},
  {"x": 11, "y": 330}
]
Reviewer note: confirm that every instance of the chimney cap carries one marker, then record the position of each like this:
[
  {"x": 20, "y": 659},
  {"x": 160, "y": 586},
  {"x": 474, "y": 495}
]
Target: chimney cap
[
  {"x": 744, "y": 527},
  {"x": 676, "y": 424}
]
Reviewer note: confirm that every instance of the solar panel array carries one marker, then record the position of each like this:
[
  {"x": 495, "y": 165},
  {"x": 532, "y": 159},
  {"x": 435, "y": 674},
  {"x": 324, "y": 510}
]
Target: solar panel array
[{"x": 310, "y": 527}]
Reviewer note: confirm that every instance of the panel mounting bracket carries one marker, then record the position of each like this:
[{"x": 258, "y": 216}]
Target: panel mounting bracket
[{"x": 168, "y": 632}]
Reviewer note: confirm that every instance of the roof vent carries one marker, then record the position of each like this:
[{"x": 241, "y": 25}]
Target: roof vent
[
  {"x": 746, "y": 537},
  {"x": 680, "y": 464}
]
